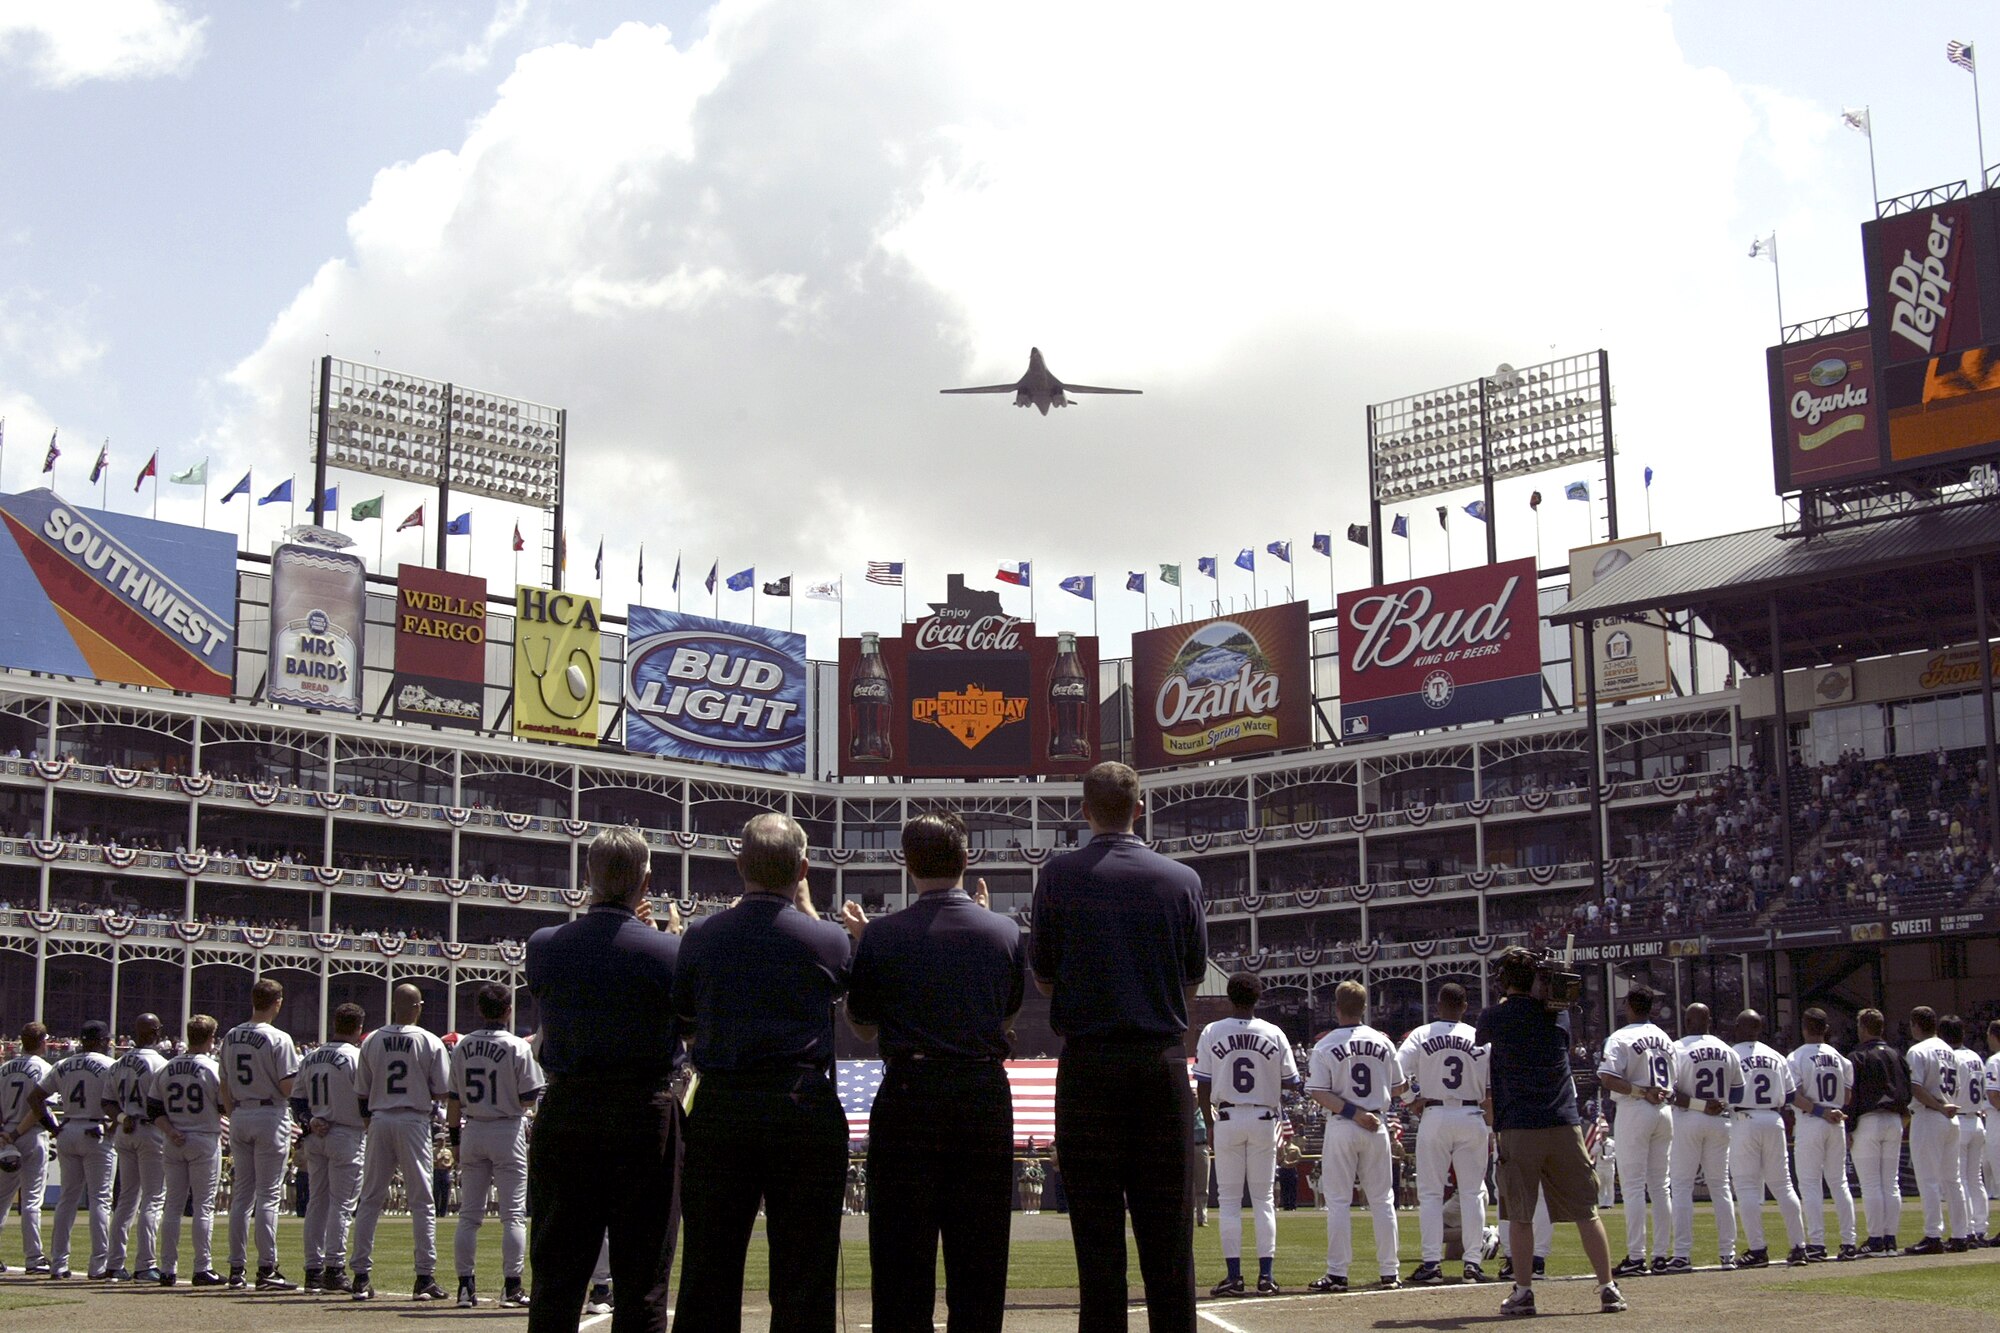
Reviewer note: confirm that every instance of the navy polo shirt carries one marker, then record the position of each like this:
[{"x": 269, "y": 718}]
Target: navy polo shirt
[
  {"x": 1119, "y": 930},
  {"x": 940, "y": 978},
  {"x": 757, "y": 985},
  {"x": 1529, "y": 1072},
  {"x": 604, "y": 983}
]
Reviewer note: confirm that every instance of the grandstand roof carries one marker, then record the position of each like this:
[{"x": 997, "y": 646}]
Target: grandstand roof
[{"x": 1900, "y": 585}]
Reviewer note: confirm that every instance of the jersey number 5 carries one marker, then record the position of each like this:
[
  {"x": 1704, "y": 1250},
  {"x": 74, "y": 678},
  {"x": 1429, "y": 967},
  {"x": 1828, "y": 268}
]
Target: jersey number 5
[{"x": 479, "y": 1083}]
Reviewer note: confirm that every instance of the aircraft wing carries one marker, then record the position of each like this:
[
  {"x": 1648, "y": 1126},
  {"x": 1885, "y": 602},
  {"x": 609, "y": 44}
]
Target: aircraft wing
[
  {"x": 1091, "y": 388},
  {"x": 987, "y": 388}
]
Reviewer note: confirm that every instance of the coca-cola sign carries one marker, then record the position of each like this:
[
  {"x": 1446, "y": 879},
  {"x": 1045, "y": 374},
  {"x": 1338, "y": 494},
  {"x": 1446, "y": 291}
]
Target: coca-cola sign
[
  {"x": 1232, "y": 685},
  {"x": 1439, "y": 651},
  {"x": 955, "y": 628}
]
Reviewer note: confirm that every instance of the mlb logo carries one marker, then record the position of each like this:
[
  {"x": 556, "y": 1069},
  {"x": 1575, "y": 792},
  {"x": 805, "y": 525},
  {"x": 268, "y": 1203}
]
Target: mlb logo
[{"x": 1354, "y": 726}]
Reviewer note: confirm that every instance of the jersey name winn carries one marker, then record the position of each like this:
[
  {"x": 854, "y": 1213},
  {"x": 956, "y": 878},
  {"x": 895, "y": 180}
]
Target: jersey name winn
[
  {"x": 1246, "y": 1062},
  {"x": 400, "y": 1068}
]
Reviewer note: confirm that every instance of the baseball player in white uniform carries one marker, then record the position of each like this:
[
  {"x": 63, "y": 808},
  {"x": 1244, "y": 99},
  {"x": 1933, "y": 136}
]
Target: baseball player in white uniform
[
  {"x": 1982, "y": 1209},
  {"x": 258, "y": 1064},
  {"x": 494, "y": 1080},
  {"x": 1757, "y": 1157},
  {"x": 138, "y": 1144},
  {"x": 1242, "y": 1065},
  {"x": 1354, "y": 1075},
  {"x": 1971, "y": 1130},
  {"x": 184, "y": 1101},
  {"x": 324, "y": 1101},
  {"x": 24, "y": 1145},
  {"x": 400, "y": 1078},
  {"x": 1819, "y": 1136},
  {"x": 1934, "y": 1103},
  {"x": 1638, "y": 1071},
  {"x": 1445, "y": 1070},
  {"x": 1607, "y": 1164},
  {"x": 1707, "y": 1079},
  {"x": 78, "y": 1084}
]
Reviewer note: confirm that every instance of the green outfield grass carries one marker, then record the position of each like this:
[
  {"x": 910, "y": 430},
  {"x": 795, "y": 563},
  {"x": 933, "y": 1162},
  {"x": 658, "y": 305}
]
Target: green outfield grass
[
  {"x": 1964, "y": 1287},
  {"x": 1042, "y": 1258},
  {"x": 29, "y": 1300}
]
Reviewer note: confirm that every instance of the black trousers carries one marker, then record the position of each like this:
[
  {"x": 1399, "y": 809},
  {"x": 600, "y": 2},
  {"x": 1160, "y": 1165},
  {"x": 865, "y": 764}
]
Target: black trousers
[
  {"x": 777, "y": 1136},
  {"x": 1124, "y": 1132},
  {"x": 601, "y": 1160},
  {"x": 940, "y": 1167}
]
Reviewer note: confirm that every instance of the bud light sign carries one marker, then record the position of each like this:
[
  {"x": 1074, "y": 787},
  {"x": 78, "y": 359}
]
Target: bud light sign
[
  {"x": 714, "y": 692},
  {"x": 1440, "y": 651}
]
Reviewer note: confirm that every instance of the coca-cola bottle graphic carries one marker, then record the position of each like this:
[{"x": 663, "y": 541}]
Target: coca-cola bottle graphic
[
  {"x": 1069, "y": 702},
  {"x": 868, "y": 702}
]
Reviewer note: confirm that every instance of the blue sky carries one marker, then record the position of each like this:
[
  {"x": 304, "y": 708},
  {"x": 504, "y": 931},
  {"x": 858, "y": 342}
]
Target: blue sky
[{"x": 746, "y": 245}]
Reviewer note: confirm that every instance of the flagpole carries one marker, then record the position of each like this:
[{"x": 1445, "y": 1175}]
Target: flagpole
[
  {"x": 204, "y": 492},
  {"x": 156, "y": 490},
  {"x": 840, "y": 608},
  {"x": 381, "y": 544},
  {"x": 1215, "y": 603},
  {"x": 249, "y": 508},
  {"x": 1868, "y": 119},
  {"x": 1538, "y": 533},
  {"x": 1093, "y": 608},
  {"x": 906, "y": 590},
  {"x": 1332, "y": 591},
  {"x": 1978, "y": 121},
  {"x": 103, "y": 481},
  {"x": 792, "y": 604}
]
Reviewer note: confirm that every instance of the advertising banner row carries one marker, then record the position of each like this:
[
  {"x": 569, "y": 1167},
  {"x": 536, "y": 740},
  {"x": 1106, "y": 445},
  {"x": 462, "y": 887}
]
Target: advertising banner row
[{"x": 964, "y": 691}]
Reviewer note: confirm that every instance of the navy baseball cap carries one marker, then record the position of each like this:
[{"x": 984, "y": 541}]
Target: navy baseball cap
[{"x": 96, "y": 1030}]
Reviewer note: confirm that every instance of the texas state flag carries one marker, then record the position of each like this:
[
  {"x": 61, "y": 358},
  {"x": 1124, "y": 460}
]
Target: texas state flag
[{"x": 1015, "y": 574}]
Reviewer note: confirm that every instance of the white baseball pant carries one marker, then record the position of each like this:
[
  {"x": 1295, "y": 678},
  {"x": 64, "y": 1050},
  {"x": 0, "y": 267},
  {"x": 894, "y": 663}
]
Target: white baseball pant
[
  {"x": 397, "y": 1138},
  {"x": 1450, "y": 1139},
  {"x": 1983, "y": 1210},
  {"x": 1757, "y": 1160},
  {"x": 1645, "y": 1135},
  {"x": 1349, "y": 1155},
  {"x": 193, "y": 1170},
  {"x": 260, "y": 1138},
  {"x": 1701, "y": 1143},
  {"x": 83, "y": 1150},
  {"x": 1934, "y": 1160},
  {"x": 142, "y": 1188},
  {"x": 333, "y": 1169},
  {"x": 1545, "y": 1231},
  {"x": 26, "y": 1187},
  {"x": 496, "y": 1151},
  {"x": 1819, "y": 1152},
  {"x": 1245, "y": 1140},
  {"x": 1972, "y": 1172},
  {"x": 1607, "y": 1181},
  {"x": 1876, "y": 1145}
]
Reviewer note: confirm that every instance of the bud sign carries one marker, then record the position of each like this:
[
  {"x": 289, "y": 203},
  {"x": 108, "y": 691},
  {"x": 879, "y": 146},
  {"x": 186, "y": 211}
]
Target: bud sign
[
  {"x": 714, "y": 692},
  {"x": 1440, "y": 651}
]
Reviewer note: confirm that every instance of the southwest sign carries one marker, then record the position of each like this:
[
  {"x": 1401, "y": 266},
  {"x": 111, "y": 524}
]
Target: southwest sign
[
  {"x": 115, "y": 598},
  {"x": 1440, "y": 651}
]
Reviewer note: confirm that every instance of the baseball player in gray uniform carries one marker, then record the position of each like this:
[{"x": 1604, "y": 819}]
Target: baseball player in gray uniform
[
  {"x": 258, "y": 1064},
  {"x": 1446, "y": 1070},
  {"x": 494, "y": 1080},
  {"x": 1242, "y": 1066},
  {"x": 24, "y": 1145},
  {"x": 184, "y": 1101},
  {"x": 142, "y": 1168},
  {"x": 79, "y": 1084},
  {"x": 324, "y": 1101},
  {"x": 400, "y": 1077}
]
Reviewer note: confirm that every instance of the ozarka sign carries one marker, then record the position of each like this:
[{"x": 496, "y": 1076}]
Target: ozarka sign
[{"x": 1440, "y": 651}]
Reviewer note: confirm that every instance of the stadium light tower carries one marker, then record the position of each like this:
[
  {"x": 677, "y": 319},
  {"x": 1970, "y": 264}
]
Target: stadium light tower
[
  {"x": 1507, "y": 424},
  {"x": 393, "y": 424}
]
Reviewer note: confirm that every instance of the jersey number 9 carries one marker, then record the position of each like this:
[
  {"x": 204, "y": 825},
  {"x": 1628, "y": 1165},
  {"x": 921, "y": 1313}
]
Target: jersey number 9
[{"x": 1358, "y": 1078}]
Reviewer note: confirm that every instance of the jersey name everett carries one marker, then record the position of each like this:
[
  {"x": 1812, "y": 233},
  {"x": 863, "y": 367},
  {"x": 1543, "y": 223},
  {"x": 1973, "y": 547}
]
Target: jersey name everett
[
  {"x": 1768, "y": 1082},
  {"x": 257, "y": 1058},
  {"x": 18, "y": 1077},
  {"x": 401, "y": 1068},
  {"x": 1357, "y": 1065},
  {"x": 326, "y": 1084},
  {"x": 494, "y": 1075},
  {"x": 128, "y": 1080},
  {"x": 1245, "y": 1062},
  {"x": 1443, "y": 1061},
  {"x": 78, "y": 1085},
  {"x": 1971, "y": 1081},
  {"x": 1933, "y": 1069},
  {"x": 1707, "y": 1068},
  {"x": 1642, "y": 1055},
  {"x": 1823, "y": 1073},
  {"x": 188, "y": 1091}
]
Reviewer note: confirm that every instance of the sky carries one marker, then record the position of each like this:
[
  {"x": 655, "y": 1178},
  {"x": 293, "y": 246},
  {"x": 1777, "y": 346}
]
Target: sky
[{"x": 745, "y": 244}]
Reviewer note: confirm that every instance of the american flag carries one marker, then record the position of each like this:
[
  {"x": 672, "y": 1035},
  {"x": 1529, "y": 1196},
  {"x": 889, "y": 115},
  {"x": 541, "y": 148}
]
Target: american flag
[
  {"x": 889, "y": 572},
  {"x": 1959, "y": 54},
  {"x": 1033, "y": 1083}
]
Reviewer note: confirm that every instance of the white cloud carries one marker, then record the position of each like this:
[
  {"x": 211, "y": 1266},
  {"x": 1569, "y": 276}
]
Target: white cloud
[
  {"x": 747, "y": 262},
  {"x": 508, "y": 18},
  {"x": 65, "y": 44},
  {"x": 52, "y": 342}
]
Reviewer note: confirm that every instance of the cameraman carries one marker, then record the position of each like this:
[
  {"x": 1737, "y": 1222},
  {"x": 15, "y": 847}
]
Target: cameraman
[{"x": 1541, "y": 1136}]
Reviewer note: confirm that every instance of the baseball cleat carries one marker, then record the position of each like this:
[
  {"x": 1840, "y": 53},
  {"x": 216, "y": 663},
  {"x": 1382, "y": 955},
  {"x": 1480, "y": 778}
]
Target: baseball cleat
[
  {"x": 1677, "y": 1266},
  {"x": 1727, "y": 1263},
  {"x": 1610, "y": 1300},
  {"x": 207, "y": 1277},
  {"x": 363, "y": 1289},
  {"x": 1506, "y": 1270},
  {"x": 599, "y": 1301},
  {"x": 1489, "y": 1242},
  {"x": 334, "y": 1281},
  {"x": 1797, "y": 1258},
  {"x": 1327, "y": 1283},
  {"x": 315, "y": 1280},
  {"x": 1848, "y": 1254},
  {"x": 1754, "y": 1259},
  {"x": 1629, "y": 1268},
  {"x": 1659, "y": 1264},
  {"x": 270, "y": 1279},
  {"x": 1229, "y": 1286},
  {"x": 1928, "y": 1245},
  {"x": 1520, "y": 1302},
  {"x": 514, "y": 1296},
  {"x": 147, "y": 1275},
  {"x": 1266, "y": 1287},
  {"x": 1427, "y": 1274},
  {"x": 1816, "y": 1254},
  {"x": 467, "y": 1297},
  {"x": 59, "y": 1275},
  {"x": 1955, "y": 1246},
  {"x": 166, "y": 1279},
  {"x": 117, "y": 1275},
  {"x": 39, "y": 1268},
  {"x": 236, "y": 1281},
  {"x": 1389, "y": 1282},
  {"x": 427, "y": 1289},
  {"x": 1474, "y": 1273}
]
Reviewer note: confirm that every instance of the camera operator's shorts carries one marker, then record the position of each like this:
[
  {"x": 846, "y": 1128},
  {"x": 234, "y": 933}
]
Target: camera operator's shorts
[{"x": 1553, "y": 1161}]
